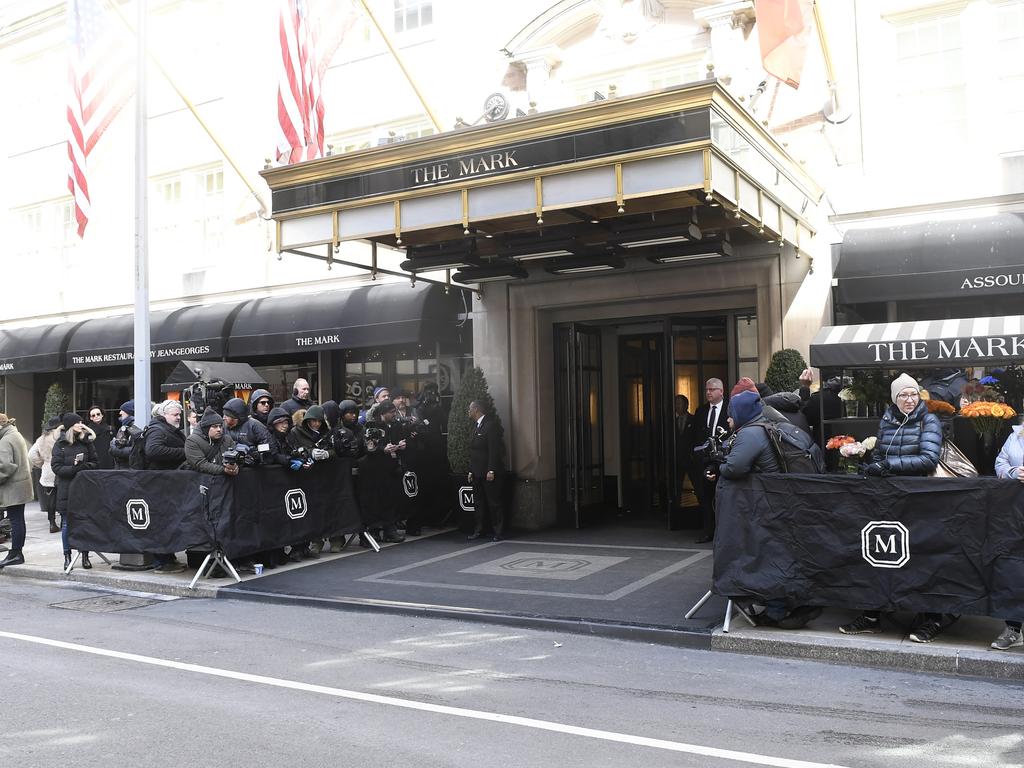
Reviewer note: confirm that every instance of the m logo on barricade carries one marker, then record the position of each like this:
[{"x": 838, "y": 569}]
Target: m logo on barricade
[
  {"x": 295, "y": 503},
  {"x": 885, "y": 544},
  {"x": 138, "y": 514},
  {"x": 411, "y": 484},
  {"x": 466, "y": 498}
]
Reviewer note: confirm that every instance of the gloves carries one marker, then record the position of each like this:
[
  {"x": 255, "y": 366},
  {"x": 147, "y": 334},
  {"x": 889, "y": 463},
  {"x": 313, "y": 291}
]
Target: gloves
[
  {"x": 295, "y": 464},
  {"x": 716, "y": 457},
  {"x": 319, "y": 454},
  {"x": 876, "y": 469}
]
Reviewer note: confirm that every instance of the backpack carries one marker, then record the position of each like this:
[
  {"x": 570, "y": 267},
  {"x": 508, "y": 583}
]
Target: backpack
[
  {"x": 794, "y": 448},
  {"x": 137, "y": 457}
]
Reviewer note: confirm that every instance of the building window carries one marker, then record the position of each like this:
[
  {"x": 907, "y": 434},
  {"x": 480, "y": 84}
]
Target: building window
[
  {"x": 1009, "y": 71},
  {"x": 747, "y": 363},
  {"x": 413, "y": 14},
  {"x": 188, "y": 213},
  {"x": 930, "y": 78}
]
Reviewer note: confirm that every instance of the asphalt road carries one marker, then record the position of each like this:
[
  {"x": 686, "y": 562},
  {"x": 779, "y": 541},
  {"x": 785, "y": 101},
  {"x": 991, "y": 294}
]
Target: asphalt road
[{"x": 206, "y": 682}]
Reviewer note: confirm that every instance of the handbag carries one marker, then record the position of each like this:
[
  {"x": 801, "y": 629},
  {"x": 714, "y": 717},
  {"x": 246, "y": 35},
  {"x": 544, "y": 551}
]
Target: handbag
[{"x": 953, "y": 462}]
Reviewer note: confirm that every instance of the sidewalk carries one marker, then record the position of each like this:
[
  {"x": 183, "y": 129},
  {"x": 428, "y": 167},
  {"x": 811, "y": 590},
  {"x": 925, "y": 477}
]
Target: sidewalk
[{"x": 626, "y": 583}]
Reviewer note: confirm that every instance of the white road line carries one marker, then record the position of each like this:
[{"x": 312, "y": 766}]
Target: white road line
[{"x": 391, "y": 701}]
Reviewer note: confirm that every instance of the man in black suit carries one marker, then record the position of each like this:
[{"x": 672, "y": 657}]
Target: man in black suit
[
  {"x": 711, "y": 415},
  {"x": 486, "y": 471}
]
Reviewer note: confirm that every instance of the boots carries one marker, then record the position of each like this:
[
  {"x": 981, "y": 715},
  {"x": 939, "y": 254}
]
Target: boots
[
  {"x": 54, "y": 528},
  {"x": 13, "y": 558},
  {"x": 85, "y": 561},
  {"x": 67, "y": 559},
  {"x": 338, "y": 543}
]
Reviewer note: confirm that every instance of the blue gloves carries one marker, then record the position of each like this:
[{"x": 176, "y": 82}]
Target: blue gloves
[{"x": 295, "y": 464}]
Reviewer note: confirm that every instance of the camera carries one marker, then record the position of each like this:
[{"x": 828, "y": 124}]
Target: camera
[
  {"x": 230, "y": 458},
  {"x": 247, "y": 454},
  {"x": 301, "y": 454},
  {"x": 712, "y": 446},
  {"x": 374, "y": 435},
  {"x": 212, "y": 394}
]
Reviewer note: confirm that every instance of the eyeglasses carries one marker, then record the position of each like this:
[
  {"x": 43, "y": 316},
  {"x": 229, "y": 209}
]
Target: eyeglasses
[
  {"x": 908, "y": 396},
  {"x": 96, "y": 413}
]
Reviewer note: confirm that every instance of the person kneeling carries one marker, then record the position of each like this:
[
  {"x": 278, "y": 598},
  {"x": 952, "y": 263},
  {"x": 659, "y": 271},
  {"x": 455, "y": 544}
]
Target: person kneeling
[{"x": 752, "y": 451}]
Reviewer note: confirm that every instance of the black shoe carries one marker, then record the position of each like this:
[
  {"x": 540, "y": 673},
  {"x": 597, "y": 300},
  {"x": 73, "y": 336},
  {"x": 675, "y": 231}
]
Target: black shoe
[
  {"x": 704, "y": 540},
  {"x": 413, "y": 531},
  {"x": 496, "y": 537},
  {"x": 54, "y": 528},
  {"x": 474, "y": 536},
  {"x": 798, "y": 617},
  {"x": 364, "y": 542},
  {"x": 67, "y": 560},
  {"x": 86, "y": 563},
  {"x": 12, "y": 559}
]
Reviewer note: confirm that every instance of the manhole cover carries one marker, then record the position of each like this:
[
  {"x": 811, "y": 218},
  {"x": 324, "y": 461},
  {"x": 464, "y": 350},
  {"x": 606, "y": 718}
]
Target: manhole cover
[{"x": 106, "y": 603}]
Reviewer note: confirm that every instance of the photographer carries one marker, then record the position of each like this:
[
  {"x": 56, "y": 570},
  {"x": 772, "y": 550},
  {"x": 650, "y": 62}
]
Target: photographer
[
  {"x": 310, "y": 441},
  {"x": 380, "y": 472},
  {"x": 380, "y": 394},
  {"x": 347, "y": 439},
  {"x": 164, "y": 448},
  {"x": 280, "y": 423},
  {"x": 411, "y": 460},
  {"x": 750, "y": 450},
  {"x": 262, "y": 403},
  {"x": 299, "y": 401},
  {"x": 127, "y": 433},
  {"x": 245, "y": 430},
  {"x": 432, "y": 460},
  {"x": 205, "y": 448}
]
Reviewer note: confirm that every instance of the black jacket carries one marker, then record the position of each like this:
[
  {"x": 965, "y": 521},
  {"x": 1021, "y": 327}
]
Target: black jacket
[
  {"x": 165, "y": 445},
  {"x": 700, "y": 421},
  {"x": 487, "y": 449},
  {"x": 251, "y": 432},
  {"x": 204, "y": 455},
  {"x": 751, "y": 451},
  {"x": 813, "y": 406},
  {"x": 102, "y": 445},
  {"x": 258, "y": 395},
  {"x": 121, "y": 444},
  {"x": 292, "y": 404},
  {"x": 64, "y": 458},
  {"x": 787, "y": 406},
  {"x": 911, "y": 445}
]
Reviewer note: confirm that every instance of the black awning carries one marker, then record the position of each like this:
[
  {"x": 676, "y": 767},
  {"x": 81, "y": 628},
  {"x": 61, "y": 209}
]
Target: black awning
[
  {"x": 369, "y": 316},
  {"x": 191, "y": 332},
  {"x": 189, "y": 372},
  {"x": 34, "y": 350},
  {"x": 936, "y": 259},
  {"x": 921, "y": 344}
]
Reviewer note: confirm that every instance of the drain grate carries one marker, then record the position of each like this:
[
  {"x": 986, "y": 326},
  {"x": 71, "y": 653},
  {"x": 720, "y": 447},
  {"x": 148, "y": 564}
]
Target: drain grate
[{"x": 106, "y": 603}]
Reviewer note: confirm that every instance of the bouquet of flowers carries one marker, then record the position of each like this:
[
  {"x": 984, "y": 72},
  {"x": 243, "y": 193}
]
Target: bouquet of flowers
[
  {"x": 851, "y": 451},
  {"x": 987, "y": 416},
  {"x": 940, "y": 408}
]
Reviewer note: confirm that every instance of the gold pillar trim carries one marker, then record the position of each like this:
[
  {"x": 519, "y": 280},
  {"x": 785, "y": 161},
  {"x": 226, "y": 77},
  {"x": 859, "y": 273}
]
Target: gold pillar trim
[
  {"x": 707, "y": 175},
  {"x": 465, "y": 211},
  {"x": 278, "y": 237},
  {"x": 398, "y": 222},
  {"x": 736, "y": 185},
  {"x": 619, "y": 200},
  {"x": 760, "y": 210},
  {"x": 538, "y": 188},
  {"x": 336, "y": 227}
]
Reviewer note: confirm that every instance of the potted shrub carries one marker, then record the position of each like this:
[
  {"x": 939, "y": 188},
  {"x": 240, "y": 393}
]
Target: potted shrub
[
  {"x": 55, "y": 404},
  {"x": 784, "y": 371}
]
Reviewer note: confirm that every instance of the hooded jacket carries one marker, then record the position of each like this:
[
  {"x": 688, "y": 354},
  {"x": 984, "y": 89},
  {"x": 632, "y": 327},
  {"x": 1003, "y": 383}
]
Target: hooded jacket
[
  {"x": 165, "y": 445},
  {"x": 121, "y": 444},
  {"x": 786, "y": 406},
  {"x": 909, "y": 444},
  {"x": 203, "y": 454},
  {"x": 15, "y": 473},
  {"x": 253, "y": 399},
  {"x": 1011, "y": 456},
  {"x": 302, "y": 436},
  {"x": 71, "y": 455},
  {"x": 279, "y": 449}
]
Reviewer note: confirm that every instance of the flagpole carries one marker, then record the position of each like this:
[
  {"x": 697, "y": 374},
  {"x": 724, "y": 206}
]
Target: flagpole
[
  {"x": 142, "y": 362},
  {"x": 401, "y": 65},
  {"x": 264, "y": 210}
]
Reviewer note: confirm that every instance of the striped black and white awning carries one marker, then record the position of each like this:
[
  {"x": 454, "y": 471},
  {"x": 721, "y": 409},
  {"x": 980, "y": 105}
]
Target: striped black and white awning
[{"x": 921, "y": 344}]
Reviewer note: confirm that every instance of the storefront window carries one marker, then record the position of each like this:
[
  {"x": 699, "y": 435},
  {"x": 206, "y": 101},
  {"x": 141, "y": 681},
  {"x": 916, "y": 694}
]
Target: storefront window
[
  {"x": 109, "y": 387},
  {"x": 700, "y": 353},
  {"x": 361, "y": 378},
  {"x": 280, "y": 377},
  {"x": 746, "y": 347}
]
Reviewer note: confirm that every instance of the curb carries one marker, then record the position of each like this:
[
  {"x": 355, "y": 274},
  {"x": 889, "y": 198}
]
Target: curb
[
  {"x": 671, "y": 636},
  {"x": 904, "y": 657},
  {"x": 100, "y": 579}
]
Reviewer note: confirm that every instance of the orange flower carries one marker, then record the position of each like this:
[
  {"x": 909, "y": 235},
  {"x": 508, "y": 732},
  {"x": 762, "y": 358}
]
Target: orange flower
[
  {"x": 997, "y": 411},
  {"x": 940, "y": 407},
  {"x": 838, "y": 441}
]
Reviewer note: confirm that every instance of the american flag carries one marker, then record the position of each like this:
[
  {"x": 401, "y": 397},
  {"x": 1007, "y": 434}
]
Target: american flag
[
  {"x": 101, "y": 63},
  {"x": 305, "y": 56}
]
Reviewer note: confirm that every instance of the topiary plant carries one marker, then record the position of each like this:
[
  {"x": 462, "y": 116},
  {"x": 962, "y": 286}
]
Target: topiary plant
[
  {"x": 460, "y": 428},
  {"x": 784, "y": 370},
  {"x": 55, "y": 404}
]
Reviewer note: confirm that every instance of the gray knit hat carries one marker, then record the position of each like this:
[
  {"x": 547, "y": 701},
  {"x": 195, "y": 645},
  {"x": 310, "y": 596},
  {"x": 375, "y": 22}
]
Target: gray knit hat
[{"x": 901, "y": 382}]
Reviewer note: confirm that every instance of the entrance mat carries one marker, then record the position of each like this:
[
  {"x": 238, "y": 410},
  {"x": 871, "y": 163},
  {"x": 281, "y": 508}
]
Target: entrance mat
[{"x": 646, "y": 579}]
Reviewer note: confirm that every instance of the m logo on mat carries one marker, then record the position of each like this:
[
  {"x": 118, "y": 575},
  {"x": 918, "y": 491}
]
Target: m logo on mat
[{"x": 885, "y": 544}]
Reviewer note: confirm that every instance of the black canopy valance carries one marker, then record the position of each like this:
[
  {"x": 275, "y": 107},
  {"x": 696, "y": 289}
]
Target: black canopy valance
[
  {"x": 376, "y": 315},
  {"x": 190, "y": 332},
  {"x": 922, "y": 344},
  {"x": 189, "y": 372},
  {"x": 935, "y": 259},
  {"x": 34, "y": 350}
]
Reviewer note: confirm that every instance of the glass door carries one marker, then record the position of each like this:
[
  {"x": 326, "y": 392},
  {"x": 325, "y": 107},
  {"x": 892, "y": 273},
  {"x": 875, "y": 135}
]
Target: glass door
[
  {"x": 642, "y": 425},
  {"x": 579, "y": 424}
]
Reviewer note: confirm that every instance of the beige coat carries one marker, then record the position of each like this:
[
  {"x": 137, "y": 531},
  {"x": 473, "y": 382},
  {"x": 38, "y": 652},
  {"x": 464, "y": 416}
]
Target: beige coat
[
  {"x": 15, "y": 473},
  {"x": 40, "y": 454}
]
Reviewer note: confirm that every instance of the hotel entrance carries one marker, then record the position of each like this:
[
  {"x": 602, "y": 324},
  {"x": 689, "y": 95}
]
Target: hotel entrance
[{"x": 624, "y": 452}]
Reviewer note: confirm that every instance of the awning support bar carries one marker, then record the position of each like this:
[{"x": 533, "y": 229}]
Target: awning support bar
[{"x": 356, "y": 265}]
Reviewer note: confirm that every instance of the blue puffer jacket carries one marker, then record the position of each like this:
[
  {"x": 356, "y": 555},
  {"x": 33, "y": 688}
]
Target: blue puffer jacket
[
  {"x": 909, "y": 445},
  {"x": 1011, "y": 457}
]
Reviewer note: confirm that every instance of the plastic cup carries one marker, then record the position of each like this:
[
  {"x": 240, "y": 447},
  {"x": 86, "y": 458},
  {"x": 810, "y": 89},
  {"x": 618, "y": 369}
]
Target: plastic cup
[{"x": 259, "y": 568}]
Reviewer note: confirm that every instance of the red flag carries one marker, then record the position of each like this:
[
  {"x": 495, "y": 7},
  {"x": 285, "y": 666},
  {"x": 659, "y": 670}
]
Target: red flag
[
  {"x": 304, "y": 59},
  {"x": 782, "y": 29},
  {"x": 100, "y": 65}
]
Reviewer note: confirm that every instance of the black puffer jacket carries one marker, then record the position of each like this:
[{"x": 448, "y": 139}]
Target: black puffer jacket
[
  {"x": 909, "y": 445},
  {"x": 71, "y": 454},
  {"x": 165, "y": 445},
  {"x": 787, "y": 405},
  {"x": 256, "y": 396},
  {"x": 102, "y": 444},
  {"x": 751, "y": 451}
]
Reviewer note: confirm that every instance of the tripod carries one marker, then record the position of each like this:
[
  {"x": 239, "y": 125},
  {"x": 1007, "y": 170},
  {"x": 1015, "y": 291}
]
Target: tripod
[
  {"x": 728, "y": 611},
  {"x": 216, "y": 556}
]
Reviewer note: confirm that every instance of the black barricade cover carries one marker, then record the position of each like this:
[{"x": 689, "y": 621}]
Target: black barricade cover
[
  {"x": 136, "y": 511},
  {"x": 944, "y": 545}
]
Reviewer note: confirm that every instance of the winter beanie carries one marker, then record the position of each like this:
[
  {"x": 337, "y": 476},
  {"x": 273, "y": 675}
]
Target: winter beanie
[
  {"x": 348, "y": 406},
  {"x": 210, "y": 419},
  {"x": 744, "y": 407},
  {"x": 277, "y": 414},
  {"x": 68, "y": 420},
  {"x": 236, "y": 407},
  {"x": 313, "y": 412},
  {"x": 901, "y": 382},
  {"x": 745, "y": 384},
  {"x": 128, "y": 407}
]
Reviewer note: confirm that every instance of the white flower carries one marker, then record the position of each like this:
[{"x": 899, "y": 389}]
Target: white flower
[
  {"x": 870, "y": 443},
  {"x": 847, "y": 394},
  {"x": 851, "y": 449}
]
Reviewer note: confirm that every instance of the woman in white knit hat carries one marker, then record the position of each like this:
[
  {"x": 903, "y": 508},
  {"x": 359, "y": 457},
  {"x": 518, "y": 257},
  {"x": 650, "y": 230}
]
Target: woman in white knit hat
[{"x": 909, "y": 443}]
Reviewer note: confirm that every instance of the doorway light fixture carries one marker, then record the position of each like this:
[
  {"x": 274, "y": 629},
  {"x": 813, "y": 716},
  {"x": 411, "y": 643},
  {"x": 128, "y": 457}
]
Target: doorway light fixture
[
  {"x": 436, "y": 262},
  {"x": 491, "y": 273},
  {"x": 661, "y": 236},
  {"x": 692, "y": 252},
  {"x": 541, "y": 255},
  {"x": 585, "y": 264}
]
